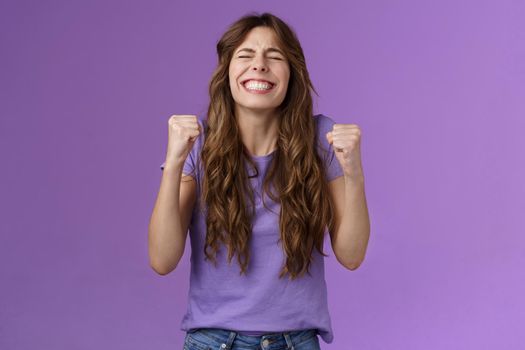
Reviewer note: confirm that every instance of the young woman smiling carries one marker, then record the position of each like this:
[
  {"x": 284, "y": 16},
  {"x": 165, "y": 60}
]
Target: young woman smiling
[{"x": 260, "y": 178}]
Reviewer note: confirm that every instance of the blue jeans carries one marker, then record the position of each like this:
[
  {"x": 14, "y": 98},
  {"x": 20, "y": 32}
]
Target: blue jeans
[{"x": 225, "y": 339}]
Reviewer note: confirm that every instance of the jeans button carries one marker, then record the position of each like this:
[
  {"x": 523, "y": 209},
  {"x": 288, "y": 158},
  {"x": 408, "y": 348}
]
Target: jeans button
[{"x": 266, "y": 342}]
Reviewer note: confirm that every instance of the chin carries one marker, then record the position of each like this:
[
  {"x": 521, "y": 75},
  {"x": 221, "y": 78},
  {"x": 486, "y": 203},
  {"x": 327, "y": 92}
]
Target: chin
[{"x": 261, "y": 106}]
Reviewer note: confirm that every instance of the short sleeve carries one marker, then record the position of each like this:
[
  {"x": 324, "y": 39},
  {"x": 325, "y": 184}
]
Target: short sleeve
[
  {"x": 332, "y": 167},
  {"x": 190, "y": 164}
]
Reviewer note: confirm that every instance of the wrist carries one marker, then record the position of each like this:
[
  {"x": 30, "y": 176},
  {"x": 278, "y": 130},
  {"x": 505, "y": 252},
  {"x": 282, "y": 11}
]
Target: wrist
[
  {"x": 173, "y": 166},
  {"x": 354, "y": 178}
]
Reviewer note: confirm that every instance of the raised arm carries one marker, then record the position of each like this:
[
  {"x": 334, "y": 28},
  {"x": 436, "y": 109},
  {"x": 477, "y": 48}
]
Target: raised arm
[{"x": 168, "y": 226}]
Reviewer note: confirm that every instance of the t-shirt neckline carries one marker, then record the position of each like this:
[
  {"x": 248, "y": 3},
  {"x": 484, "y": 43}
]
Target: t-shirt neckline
[{"x": 263, "y": 158}]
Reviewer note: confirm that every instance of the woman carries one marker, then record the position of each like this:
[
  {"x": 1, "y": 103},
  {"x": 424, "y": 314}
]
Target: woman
[{"x": 259, "y": 179}]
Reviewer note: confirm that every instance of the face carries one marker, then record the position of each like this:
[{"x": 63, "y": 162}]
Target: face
[{"x": 259, "y": 72}]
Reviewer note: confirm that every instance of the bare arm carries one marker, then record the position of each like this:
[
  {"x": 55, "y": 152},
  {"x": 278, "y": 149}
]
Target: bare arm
[
  {"x": 170, "y": 219},
  {"x": 352, "y": 227}
]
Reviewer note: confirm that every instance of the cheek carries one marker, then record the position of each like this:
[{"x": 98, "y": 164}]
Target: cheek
[
  {"x": 232, "y": 79},
  {"x": 284, "y": 74},
  {"x": 285, "y": 79},
  {"x": 233, "y": 76}
]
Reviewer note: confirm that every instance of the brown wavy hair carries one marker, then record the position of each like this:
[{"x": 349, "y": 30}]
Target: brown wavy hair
[{"x": 296, "y": 170}]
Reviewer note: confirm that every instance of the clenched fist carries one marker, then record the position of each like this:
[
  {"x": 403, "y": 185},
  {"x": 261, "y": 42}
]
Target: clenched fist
[
  {"x": 183, "y": 130},
  {"x": 346, "y": 143}
]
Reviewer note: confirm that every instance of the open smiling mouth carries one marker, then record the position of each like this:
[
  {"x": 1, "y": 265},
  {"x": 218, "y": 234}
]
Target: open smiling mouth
[{"x": 256, "y": 87}]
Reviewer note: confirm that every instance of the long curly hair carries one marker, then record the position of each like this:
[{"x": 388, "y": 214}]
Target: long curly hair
[{"x": 296, "y": 171}]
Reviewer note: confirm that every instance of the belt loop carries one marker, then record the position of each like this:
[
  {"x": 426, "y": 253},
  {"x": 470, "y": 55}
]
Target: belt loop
[
  {"x": 231, "y": 338},
  {"x": 289, "y": 343}
]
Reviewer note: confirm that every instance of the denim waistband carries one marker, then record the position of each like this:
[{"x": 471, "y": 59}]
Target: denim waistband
[{"x": 267, "y": 341}]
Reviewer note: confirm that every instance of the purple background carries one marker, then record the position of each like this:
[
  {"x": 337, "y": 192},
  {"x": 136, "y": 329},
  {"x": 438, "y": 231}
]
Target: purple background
[{"x": 436, "y": 87}]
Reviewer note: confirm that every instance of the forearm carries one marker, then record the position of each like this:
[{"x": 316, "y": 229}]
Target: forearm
[
  {"x": 165, "y": 236},
  {"x": 354, "y": 229}
]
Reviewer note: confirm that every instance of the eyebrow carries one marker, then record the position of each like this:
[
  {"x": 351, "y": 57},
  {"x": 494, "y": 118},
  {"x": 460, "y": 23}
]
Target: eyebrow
[{"x": 271, "y": 49}]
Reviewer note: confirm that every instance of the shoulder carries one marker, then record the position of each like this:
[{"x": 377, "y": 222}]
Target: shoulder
[
  {"x": 324, "y": 122},
  {"x": 325, "y": 150}
]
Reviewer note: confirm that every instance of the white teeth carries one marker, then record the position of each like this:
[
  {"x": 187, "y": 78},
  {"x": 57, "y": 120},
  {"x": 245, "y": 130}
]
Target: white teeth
[{"x": 257, "y": 85}]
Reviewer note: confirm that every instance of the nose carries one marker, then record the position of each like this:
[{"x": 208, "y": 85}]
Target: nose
[{"x": 259, "y": 64}]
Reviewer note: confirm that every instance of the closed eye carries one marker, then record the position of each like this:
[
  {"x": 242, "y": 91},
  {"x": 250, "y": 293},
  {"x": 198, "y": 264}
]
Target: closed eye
[{"x": 276, "y": 58}]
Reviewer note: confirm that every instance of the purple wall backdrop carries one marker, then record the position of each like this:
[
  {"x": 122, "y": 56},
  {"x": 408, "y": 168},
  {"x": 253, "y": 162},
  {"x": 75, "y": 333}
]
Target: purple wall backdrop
[{"x": 437, "y": 88}]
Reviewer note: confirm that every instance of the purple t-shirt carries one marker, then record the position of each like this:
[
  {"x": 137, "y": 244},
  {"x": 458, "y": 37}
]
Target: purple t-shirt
[{"x": 259, "y": 302}]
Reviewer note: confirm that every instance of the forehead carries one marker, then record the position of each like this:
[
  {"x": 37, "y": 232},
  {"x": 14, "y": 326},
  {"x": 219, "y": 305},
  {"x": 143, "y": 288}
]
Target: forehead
[{"x": 260, "y": 37}]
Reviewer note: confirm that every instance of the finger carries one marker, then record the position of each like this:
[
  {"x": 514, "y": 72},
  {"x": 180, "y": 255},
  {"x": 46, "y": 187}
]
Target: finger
[
  {"x": 329, "y": 137},
  {"x": 192, "y": 134},
  {"x": 189, "y": 124},
  {"x": 184, "y": 116},
  {"x": 345, "y": 126}
]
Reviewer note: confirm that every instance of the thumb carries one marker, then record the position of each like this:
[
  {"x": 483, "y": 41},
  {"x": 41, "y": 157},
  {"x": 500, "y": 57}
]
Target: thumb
[{"x": 329, "y": 137}]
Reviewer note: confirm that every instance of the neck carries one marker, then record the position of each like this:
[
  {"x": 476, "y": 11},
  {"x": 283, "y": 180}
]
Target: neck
[{"x": 259, "y": 130}]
